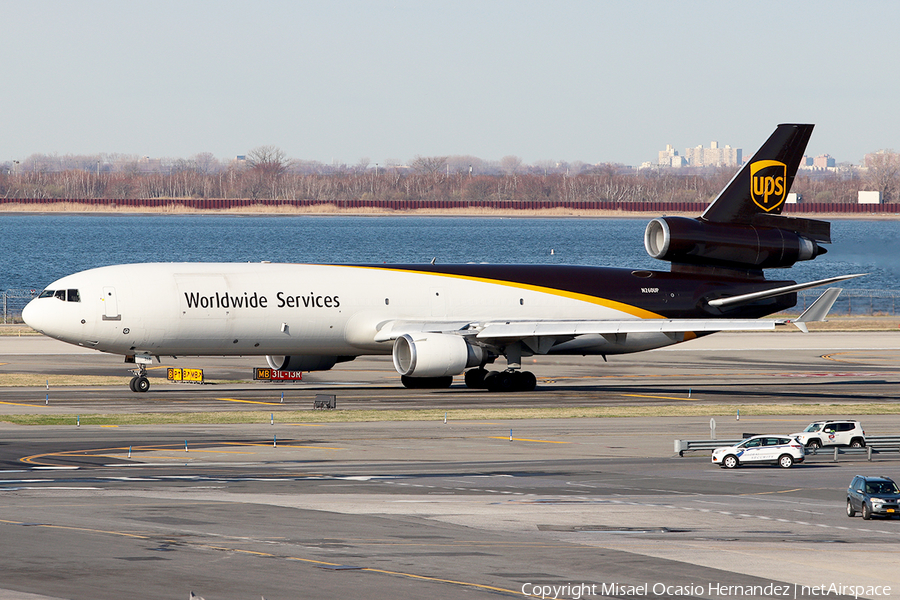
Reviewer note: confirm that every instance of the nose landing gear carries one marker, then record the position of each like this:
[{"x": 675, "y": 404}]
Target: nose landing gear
[{"x": 139, "y": 383}]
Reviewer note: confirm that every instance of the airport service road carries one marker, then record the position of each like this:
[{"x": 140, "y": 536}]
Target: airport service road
[
  {"x": 749, "y": 368},
  {"x": 422, "y": 510}
]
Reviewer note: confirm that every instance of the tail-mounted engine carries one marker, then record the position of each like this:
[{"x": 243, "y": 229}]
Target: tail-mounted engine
[{"x": 767, "y": 242}]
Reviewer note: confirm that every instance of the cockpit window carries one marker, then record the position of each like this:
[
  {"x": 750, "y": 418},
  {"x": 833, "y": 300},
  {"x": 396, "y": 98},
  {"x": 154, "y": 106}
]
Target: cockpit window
[{"x": 64, "y": 295}]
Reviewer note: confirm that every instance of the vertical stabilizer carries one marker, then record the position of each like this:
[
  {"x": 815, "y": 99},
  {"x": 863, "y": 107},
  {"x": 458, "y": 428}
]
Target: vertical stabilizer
[{"x": 762, "y": 186}]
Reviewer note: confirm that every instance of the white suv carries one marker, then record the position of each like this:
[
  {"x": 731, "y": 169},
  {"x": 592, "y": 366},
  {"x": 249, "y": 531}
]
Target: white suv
[
  {"x": 836, "y": 432},
  {"x": 779, "y": 449}
]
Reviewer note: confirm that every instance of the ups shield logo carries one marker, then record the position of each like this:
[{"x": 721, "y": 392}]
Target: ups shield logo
[{"x": 767, "y": 184}]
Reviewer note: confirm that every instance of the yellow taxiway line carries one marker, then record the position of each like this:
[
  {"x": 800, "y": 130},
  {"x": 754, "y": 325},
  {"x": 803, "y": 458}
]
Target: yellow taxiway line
[
  {"x": 250, "y": 401},
  {"x": 500, "y": 437},
  {"x": 659, "y": 397}
]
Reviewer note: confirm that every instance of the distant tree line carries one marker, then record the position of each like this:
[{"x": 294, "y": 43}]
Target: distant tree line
[{"x": 267, "y": 173}]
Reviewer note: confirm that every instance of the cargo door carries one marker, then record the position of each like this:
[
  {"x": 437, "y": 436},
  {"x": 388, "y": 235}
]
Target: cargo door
[{"x": 110, "y": 305}]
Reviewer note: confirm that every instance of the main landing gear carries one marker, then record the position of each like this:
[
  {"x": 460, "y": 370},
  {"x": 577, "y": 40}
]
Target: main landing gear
[
  {"x": 501, "y": 381},
  {"x": 139, "y": 383},
  {"x": 513, "y": 379},
  {"x": 480, "y": 378}
]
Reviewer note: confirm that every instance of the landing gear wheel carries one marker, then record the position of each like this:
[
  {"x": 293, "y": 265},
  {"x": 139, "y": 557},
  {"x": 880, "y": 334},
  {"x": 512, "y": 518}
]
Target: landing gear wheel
[
  {"x": 500, "y": 382},
  {"x": 141, "y": 384},
  {"x": 510, "y": 381},
  {"x": 489, "y": 378},
  {"x": 527, "y": 381},
  {"x": 475, "y": 378}
]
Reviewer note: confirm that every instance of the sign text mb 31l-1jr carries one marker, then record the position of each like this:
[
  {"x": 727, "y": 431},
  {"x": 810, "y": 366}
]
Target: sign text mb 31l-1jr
[{"x": 264, "y": 374}]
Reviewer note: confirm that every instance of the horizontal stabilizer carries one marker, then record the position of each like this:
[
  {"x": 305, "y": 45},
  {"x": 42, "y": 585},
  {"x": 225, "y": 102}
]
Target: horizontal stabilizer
[
  {"x": 744, "y": 298},
  {"x": 813, "y": 229}
]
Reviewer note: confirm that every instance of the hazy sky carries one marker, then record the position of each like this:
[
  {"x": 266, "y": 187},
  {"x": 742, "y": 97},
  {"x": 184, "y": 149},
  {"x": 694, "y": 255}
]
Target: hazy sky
[{"x": 593, "y": 81}]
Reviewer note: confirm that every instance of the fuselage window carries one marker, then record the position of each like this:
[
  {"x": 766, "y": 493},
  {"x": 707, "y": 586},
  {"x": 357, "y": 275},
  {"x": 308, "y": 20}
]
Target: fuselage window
[
  {"x": 61, "y": 294},
  {"x": 73, "y": 296},
  {"x": 47, "y": 294}
]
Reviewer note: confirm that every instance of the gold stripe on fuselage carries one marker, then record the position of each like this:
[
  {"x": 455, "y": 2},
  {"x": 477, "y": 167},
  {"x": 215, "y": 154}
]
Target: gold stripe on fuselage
[{"x": 634, "y": 311}]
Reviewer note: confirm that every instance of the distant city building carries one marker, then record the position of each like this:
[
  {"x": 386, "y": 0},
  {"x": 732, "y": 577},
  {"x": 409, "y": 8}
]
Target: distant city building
[
  {"x": 714, "y": 156},
  {"x": 670, "y": 158},
  {"x": 880, "y": 158},
  {"x": 149, "y": 165},
  {"x": 823, "y": 161}
]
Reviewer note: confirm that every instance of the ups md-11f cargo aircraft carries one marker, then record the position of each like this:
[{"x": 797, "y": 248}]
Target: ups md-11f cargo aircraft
[{"x": 438, "y": 321}]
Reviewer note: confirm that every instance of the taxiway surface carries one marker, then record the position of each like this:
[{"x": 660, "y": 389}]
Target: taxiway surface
[
  {"x": 749, "y": 368},
  {"x": 466, "y": 509}
]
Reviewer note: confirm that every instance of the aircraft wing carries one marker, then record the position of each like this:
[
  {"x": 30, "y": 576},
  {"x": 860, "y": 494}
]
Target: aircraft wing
[
  {"x": 572, "y": 328},
  {"x": 512, "y": 330}
]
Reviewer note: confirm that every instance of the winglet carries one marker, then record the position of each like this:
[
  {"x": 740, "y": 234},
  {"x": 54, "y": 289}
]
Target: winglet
[{"x": 818, "y": 310}]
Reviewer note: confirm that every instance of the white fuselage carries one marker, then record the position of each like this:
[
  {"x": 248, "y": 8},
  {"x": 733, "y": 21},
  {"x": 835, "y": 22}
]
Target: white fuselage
[{"x": 293, "y": 309}]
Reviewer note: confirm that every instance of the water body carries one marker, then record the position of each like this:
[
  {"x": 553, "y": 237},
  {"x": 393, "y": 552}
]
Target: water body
[{"x": 37, "y": 249}]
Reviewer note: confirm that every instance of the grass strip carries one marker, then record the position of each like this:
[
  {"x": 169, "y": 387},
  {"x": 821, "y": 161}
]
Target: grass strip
[
  {"x": 478, "y": 414},
  {"x": 32, "y": 380}
]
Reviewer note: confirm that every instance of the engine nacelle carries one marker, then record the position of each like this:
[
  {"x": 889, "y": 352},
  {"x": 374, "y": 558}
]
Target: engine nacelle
[
  {"x": 434, "y": 355},
  {"x": 302, "y": 363},
  {"x": 691, "y": 241}
]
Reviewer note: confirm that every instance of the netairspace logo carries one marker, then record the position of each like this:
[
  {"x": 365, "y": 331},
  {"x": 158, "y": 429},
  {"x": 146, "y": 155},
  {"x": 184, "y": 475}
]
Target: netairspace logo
[{"x": 577, "y": 591}]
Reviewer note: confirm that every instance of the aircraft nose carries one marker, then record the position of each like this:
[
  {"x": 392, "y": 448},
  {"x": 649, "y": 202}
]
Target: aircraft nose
[{"x": 31, "y": 314}]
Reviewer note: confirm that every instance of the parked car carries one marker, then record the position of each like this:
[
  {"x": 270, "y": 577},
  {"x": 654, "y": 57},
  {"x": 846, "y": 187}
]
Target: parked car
[
  {"x": 835, "y": 432},
  {"x": 873, "y": 496},
  {"x": 779, "y": 449}
]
